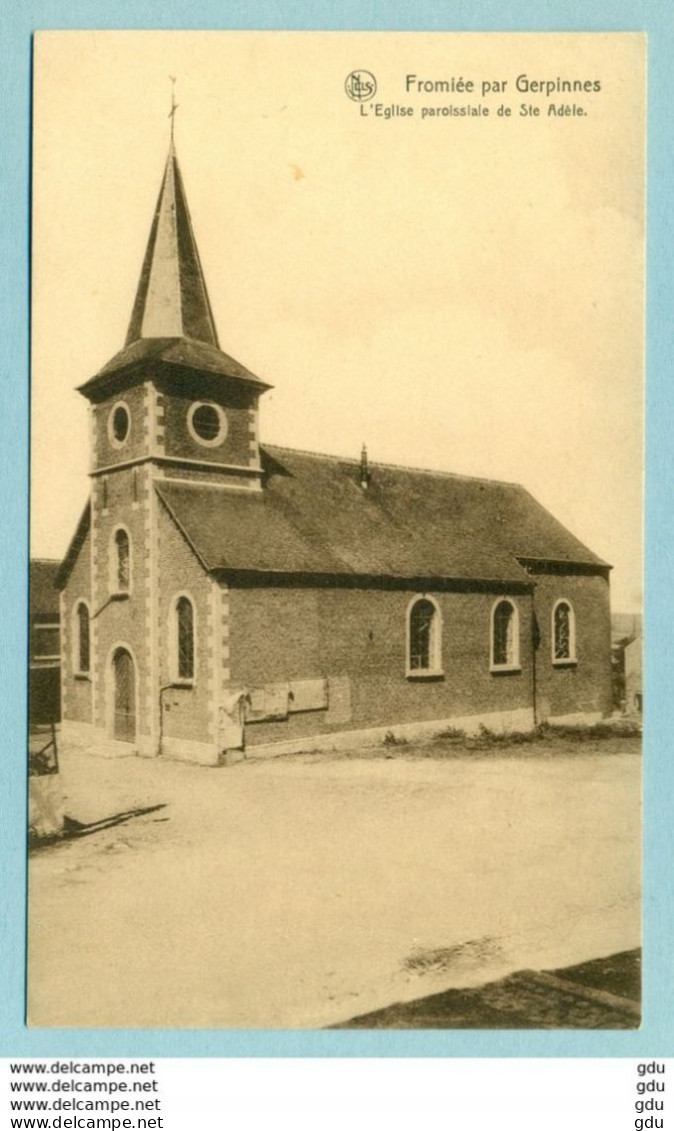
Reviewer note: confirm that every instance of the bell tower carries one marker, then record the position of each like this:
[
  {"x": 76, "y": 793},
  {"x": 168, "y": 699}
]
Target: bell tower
[
  {"x": 171, "y": 405},
  {"x": 171, "y": 397}
]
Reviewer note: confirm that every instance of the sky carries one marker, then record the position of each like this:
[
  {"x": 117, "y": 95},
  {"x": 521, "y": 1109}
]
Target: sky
[{"x": 463, "y": 293}]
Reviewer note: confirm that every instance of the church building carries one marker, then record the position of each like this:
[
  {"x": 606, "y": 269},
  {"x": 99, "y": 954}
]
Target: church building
[{"x": 221, "y": 594}]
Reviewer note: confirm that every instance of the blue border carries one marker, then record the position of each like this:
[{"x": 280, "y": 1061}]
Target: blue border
[{"x": 16, "y": 27}]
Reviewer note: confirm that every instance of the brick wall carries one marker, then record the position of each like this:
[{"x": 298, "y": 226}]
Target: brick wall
[
  {"x": 239, "y": 445},
  {"x": 584, "y": 686},
  {"x": 248, "y": 636},
  {"x": 283, "y": 634},
  {"x": 158, "y": 415},
  {"x": 120, "y": 499},
  {"x": 187, "y": 712},
  {"x": 274, "y": 635}
]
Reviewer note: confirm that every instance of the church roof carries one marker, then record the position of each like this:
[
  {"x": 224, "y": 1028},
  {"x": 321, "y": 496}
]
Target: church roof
[
  {"x": 171, "y": 321},
  {"x": 313, "y": 518},
  {"x": 177, "y": 353},
  {"x": 76, "y": 543}
]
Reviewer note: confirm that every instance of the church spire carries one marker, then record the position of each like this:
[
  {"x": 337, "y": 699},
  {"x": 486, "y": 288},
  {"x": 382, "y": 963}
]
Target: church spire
[
  {"x": 172, "y": 300},
  {"x": 172, "y": 328}
]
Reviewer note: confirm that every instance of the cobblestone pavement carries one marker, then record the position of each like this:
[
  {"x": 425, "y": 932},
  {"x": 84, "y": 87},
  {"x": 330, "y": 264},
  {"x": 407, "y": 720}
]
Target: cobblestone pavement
[{"x": 602, "y": 994}]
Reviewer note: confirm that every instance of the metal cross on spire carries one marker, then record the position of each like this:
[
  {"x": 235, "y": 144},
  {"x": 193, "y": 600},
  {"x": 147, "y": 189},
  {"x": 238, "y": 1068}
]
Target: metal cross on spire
[{"x": 174, "y": 104}]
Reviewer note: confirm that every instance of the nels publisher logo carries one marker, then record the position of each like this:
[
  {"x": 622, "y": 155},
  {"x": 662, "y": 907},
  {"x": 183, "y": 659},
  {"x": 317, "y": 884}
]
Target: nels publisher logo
[{"x": 361, "y": 86}]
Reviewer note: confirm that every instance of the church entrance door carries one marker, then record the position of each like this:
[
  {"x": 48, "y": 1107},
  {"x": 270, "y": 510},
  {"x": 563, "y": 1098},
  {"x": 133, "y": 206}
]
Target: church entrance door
[{"x": 124, "y": 675}]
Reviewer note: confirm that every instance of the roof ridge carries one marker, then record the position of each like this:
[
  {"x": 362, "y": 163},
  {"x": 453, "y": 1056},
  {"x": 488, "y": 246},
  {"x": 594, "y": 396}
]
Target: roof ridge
[{"x": 392, "y": 466}]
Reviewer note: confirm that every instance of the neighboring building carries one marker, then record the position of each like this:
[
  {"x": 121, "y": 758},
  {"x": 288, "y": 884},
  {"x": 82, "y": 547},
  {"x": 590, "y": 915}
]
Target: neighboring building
[
  {"x": 634, "y": 692},
  {"x": 625, "y": 628},
  {"x": 217, "y": 589},
  {"x": 44, "y": 644}
]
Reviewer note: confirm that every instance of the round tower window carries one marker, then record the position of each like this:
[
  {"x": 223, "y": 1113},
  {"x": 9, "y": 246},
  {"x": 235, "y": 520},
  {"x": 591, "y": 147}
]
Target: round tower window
[
  {"x": 207, "y": 423},
  {"x": 119, "y": 423}
]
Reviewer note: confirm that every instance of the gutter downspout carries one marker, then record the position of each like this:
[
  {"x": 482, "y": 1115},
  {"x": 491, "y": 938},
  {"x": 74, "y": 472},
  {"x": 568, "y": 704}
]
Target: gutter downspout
[{"x": 535, "y": 644}]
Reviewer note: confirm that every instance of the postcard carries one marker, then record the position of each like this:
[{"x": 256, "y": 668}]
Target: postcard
[{"x": 336, "y": 510}]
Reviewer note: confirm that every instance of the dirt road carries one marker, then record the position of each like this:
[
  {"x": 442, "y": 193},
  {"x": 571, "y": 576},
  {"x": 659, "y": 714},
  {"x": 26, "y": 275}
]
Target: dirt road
[{"x": 302, "y": 892}]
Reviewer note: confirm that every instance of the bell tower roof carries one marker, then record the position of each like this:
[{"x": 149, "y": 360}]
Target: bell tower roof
[
  {"x": 172, "y": 324},
  {"x": 172, "y": 300}
]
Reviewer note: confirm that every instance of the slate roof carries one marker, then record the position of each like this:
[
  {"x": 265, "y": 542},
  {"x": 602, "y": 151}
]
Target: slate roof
[
  {"x": 173, "y": 352},
  {"x": 172, "y": 300},
  {"x": 76, "y": 543},
  {"x": 171, "y": 321},
  {"x": 44, "y": 597},
  {"x": 313, "y": 517}
]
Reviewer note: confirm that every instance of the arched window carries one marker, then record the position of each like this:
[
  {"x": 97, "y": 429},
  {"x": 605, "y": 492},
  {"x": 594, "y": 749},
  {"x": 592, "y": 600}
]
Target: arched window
[
  {"x": 505, "y": 642},
  {"x": 122, "y": 561},
  {"x": 423, "y": 638},
  {"x": 82, "y": 651},
  {"x": 184, "y": 639},
  {"x": 563, "y": 633}
]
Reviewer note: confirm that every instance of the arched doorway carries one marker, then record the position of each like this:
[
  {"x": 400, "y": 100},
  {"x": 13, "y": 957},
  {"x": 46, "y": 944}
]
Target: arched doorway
[{"x": 124, "y": 703}]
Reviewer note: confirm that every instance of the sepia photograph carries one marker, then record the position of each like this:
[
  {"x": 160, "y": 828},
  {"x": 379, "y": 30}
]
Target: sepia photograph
[{"x": 335, "y": 672}]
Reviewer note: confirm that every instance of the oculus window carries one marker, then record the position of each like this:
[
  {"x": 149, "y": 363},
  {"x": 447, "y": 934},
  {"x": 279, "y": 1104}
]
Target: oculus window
[
  {"x": 207, "y": 423},
  {"x": 119, "y": 424}
]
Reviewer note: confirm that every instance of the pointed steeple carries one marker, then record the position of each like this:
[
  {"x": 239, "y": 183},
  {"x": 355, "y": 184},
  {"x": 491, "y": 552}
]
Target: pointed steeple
[
  {"x": 172, "y": 326},
  {"x": 172, "y": 300}
]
